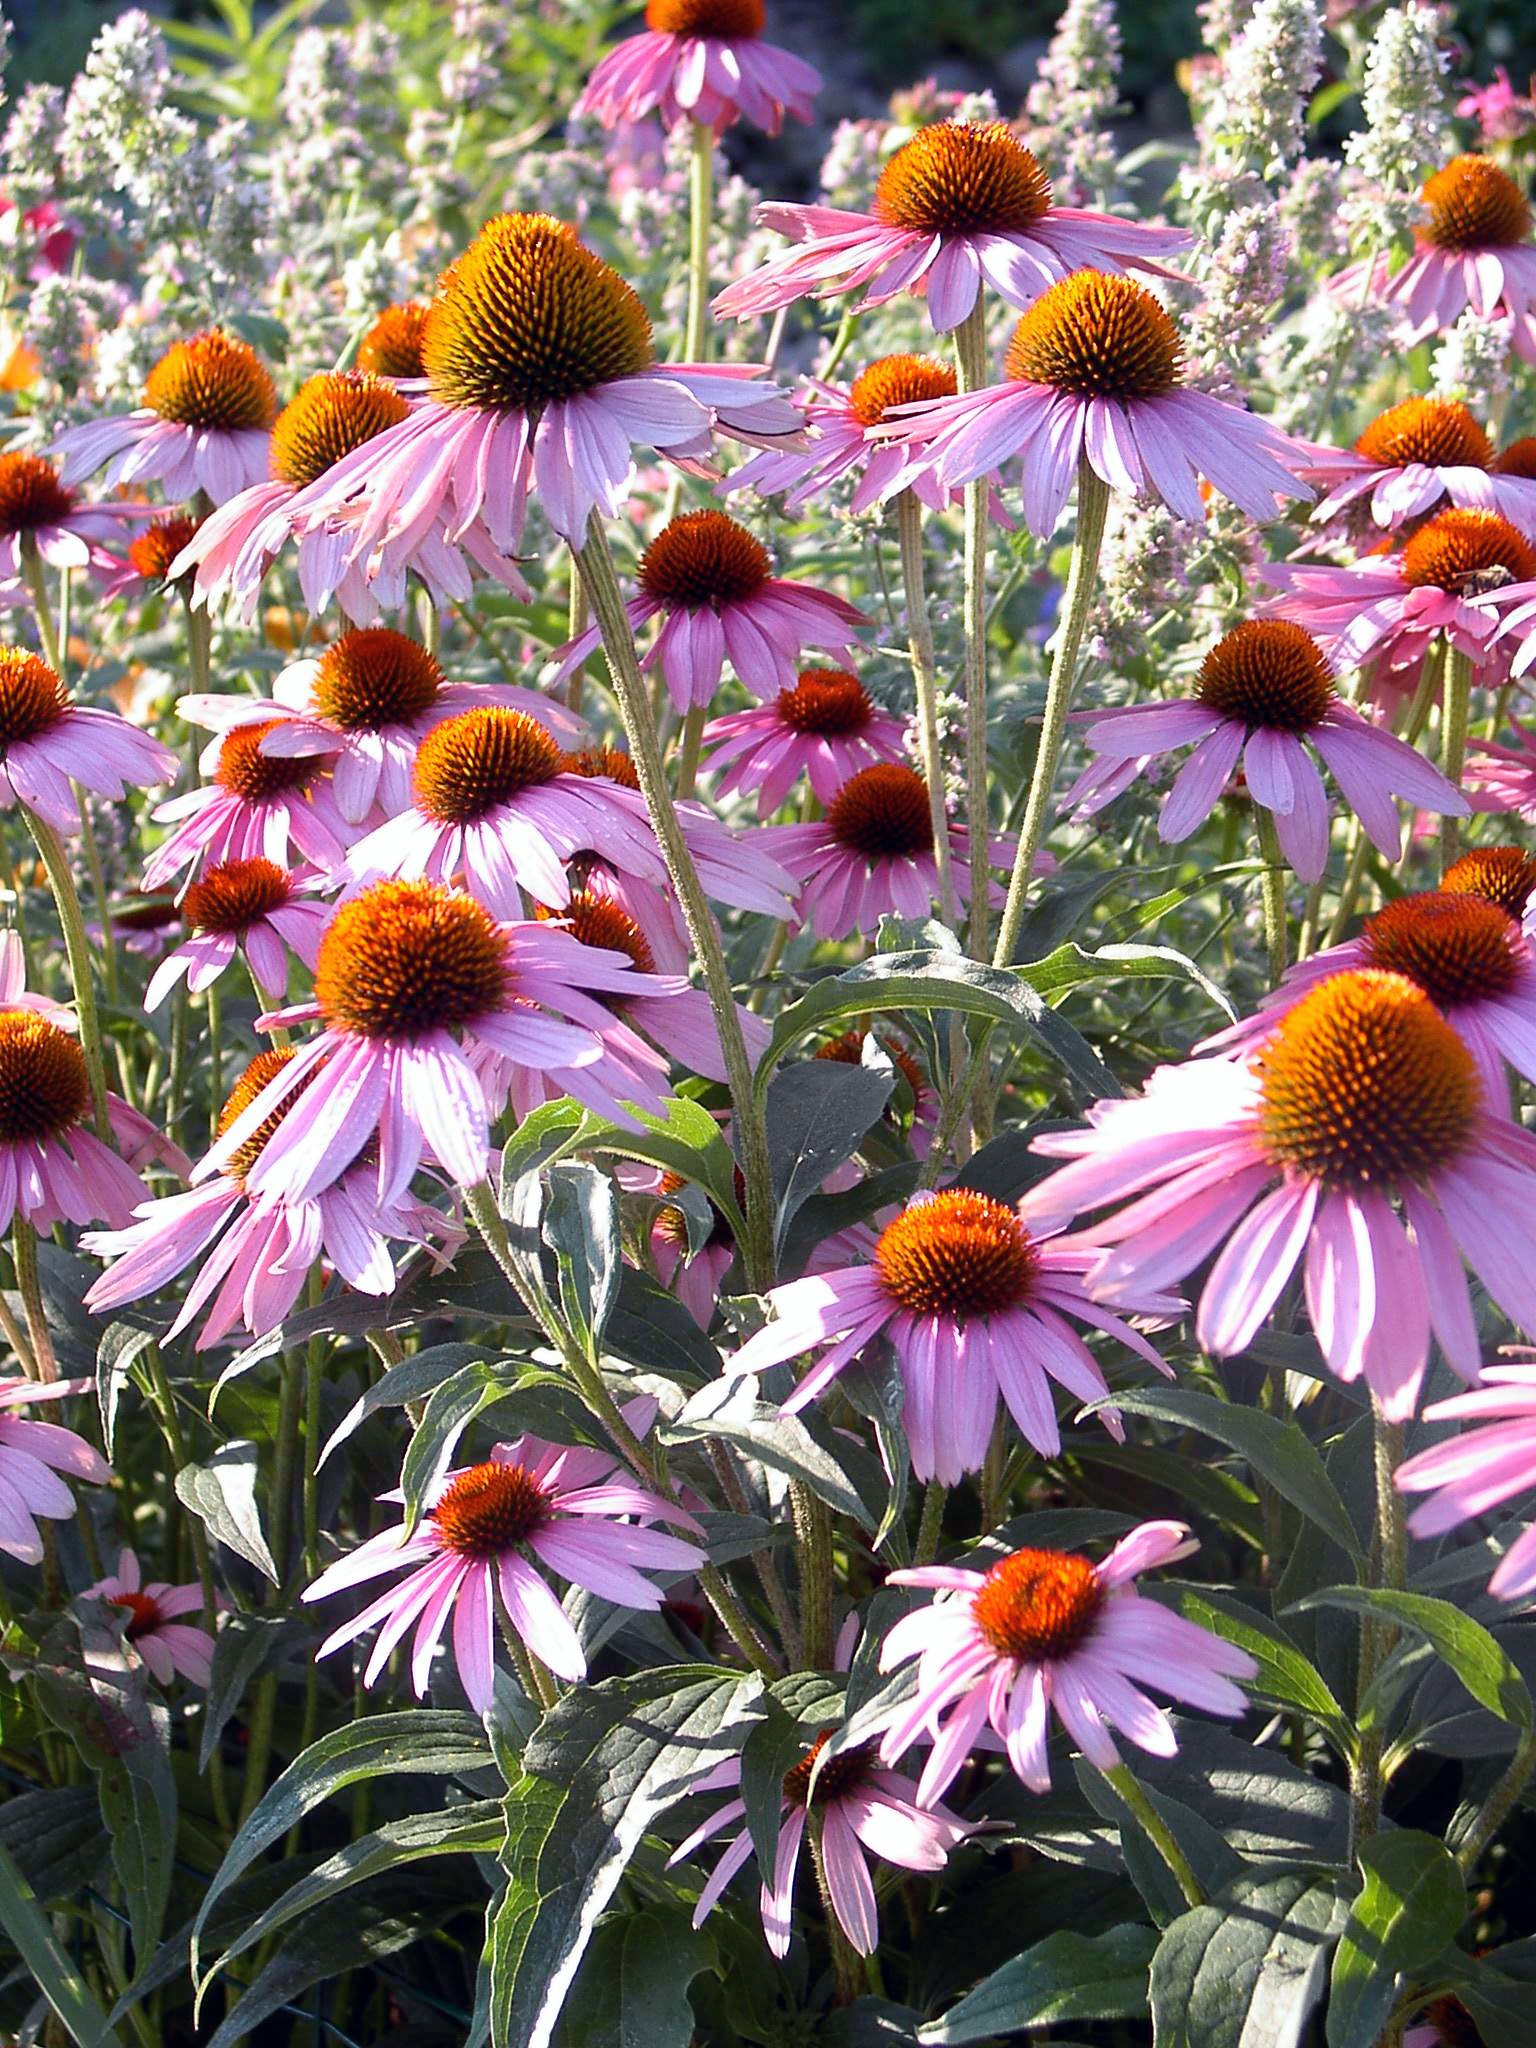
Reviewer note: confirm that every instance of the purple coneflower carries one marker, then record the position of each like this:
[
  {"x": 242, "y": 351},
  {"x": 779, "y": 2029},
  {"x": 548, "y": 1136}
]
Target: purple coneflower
[
  {"x": 1355, "y": 1140},
  {"x": 824, "y": 728},
  {"x": 48, "y": 741},
  {"x": 1265, "y": 697},
  {"x": 258, "y": 806},
  {"x": 53, "y": 1167},
  {"x": 962, "y": 204},
  {"x": 262, "y": 1247},
  {"x": 700, "y": 60},
  {"x": 976, "y": 1307},
  {"x": 709, "y": 581},
  {"x": 486, "y": 1530},
  {"x": 167, "y": 1644},
  {"x": 1094, "y": 371},
  {"x": 36, "y": 509},
  {"x": 1408, "y": 462},
  {"x": 248, "y": 906},
  {"x": 1477, "y": 1471},
  {"x": 1046, "y": 1629},
  {"x": 864, "y": 1810},
  {"x": 32, "y": 1455},
  {"x": 208, "y": 409}
]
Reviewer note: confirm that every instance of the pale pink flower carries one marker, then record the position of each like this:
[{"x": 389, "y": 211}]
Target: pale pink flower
[
  {"x": 261, "y": 1248},
  {"x": 700, "y": 60},
  {"x": 242, "y": 906},
  {"x": 1355, "y": 1140},
  {"x": 32, "y": 1455},
  {"x": 1094, "y": 372},
  {"x": 977, "y": 1308},
  {"x": 709, "y": 581},
  {"x": 1476, "y": 1471},
  {"x": 864, "y": 1810},
  {"x": 486, "y": 1530},
  {"x": 169, "y": 1646},
  {"x": 1265, "y": 698},
  {"x": 35, "y": 508},
  {"x": 540, "y": 377},
  {"x": 1411, "y": 460},
  {"x": 50, "y": 742},
  {"x": 209, "y": 404},
  {"x": 960, "y": 205},
  {"x": 1046, "y": 1630},
  {"x": 824, "y": 729},
  {"x": 1473, "y": 249},
  {"x": 1503, "y": 777},
  {"x": 258, "y": 806}
]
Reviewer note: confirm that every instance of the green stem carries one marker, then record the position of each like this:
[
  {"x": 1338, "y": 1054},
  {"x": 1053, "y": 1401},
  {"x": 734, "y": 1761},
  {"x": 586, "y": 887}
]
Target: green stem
[
  {"x": 701, "y": 206},
  {"x": 749, "y": 1126},
  {"x": 931, "y": 1525},
  {"x": 215, "y": 1058},
  {"x": 1157, "y": 1829},
  {"x": 1498, "y": 1806},
  {"x": 575, "y": 626},
  {"x": 1349, "y": 890},
  {"x": 1453, "y": 740},
  {"x": 42, "y": 604},
  {"x": 103, "y": 902},
  {"x": 1276, "y": 871},
  {"x": 1388, "y": 1568},
  {"x": 971, "y": 367},
  {"x": 813, "y": 1539},
  {"x": 1076, "y": 605},
  {"x": 45, "y": 1366},
  {"x": 689, "y": 750},
  {"x": 78, "y": 949},
  {"x": 925, "y": 684}
]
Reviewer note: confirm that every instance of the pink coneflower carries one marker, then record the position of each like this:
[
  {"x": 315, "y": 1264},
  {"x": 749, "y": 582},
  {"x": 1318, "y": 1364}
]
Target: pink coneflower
[
  {"x": 825, "y": 729},
  {"x": 540, "y": 375},
  {"x": 258, "y": 806},
  {"x": 167, "y": 1644},
  {"x": 1410, "y": 460},
  {"x": 709, "y": 581},
  {"x": 392, "y": 345},
  {"x": 694, "y": 1273},
  {"x": 842, "y": 420},
  {"x": 208, "y": 409},
  {"x": 1464, "y": 573},
  {"x": 52, "y": 1166},
  {"x": 962, "y": 203},
  {"x": 848, "y": 1050},
  {"x": 410, "y": 979},
  {"x": 32, "y": 1455},
  {"x": 1477, "y": 1471},
  {"x": 1266, "y": 697},
  {"x": 365, "y": 704},
  {"x": 1358, "y": 1134},
  {"x": 488, "y": 1526},
  {"x": 262, "y": 1248},
  {"x": 873, "y": 853},
  {"x": 1473, "y": 249},
  {"x": 1094, "y": 370},
  {"x": 700, "y": 60},
  {"x": 976, "y": 1307},
  {"x": 1468, "y": 955},
  {"x": 146, "y": 567},
  {"x": 864, "y": 1810},
  {"x": 248, "y": 906},
  {"x": 47, "y": 740},
  {"x": 1050, "y": 1628},
  {"x": 35, "y": 507},
  {"x": 1503, "y": 778},
  {"x": 1504, "y": 875}
]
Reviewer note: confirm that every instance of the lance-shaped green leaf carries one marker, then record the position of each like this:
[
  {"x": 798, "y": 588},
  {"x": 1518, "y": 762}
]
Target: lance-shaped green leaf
[
  {"x": 1070, "y": 966},
  {"x": 604, "y": 1764},
  {"x": 1248, "y": 1969},
  {"x": 817, "y": 1112},
  {"x": 797, "y": 1445},
  {"x": 50, "y": 1967},
  {"x": 413, "y": 1379},
  {"x": 1065, "y": 1977},
  {"x": 633, "y": 1991},
  {"x": 1411, "y": 1903},
  {"x": 1286, "y": 1678},
  {"x": 581, "y": 1227},
  {"x": 222, "y": 1494},
  {"x": 1475, "y": 1655},
  {"x": 685, "y": 1141},
  {"x": 798, "y": 1708},
  {"x": 130, "y": 1754}
]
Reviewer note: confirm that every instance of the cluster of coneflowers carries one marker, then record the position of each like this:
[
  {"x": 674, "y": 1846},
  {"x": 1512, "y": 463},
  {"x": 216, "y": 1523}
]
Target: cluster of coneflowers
[{"x": 457, "y": 899}]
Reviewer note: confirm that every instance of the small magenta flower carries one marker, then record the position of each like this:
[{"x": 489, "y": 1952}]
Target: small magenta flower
[
  {"x": 864, "y": 1810},
  {"x": 167, "y": 1644},
  {"x": 1472, "y": 1474},
  {"x": 1049, "y": 1630},
  {"x": 32, "y": 1455},
  {"x": 486, "y": 1533},
  {"x": 249, "y": 906},
  {"x": 700, "y": 60},
  {"x": 47, "y": 741},
  {"x": 710, "y": 582},
  {"x": 977, "y": 1308},
  {"x": 208, "y": 408},
  {"x": 1265, "y": 698},
  {"x": 824, "y": 728}
]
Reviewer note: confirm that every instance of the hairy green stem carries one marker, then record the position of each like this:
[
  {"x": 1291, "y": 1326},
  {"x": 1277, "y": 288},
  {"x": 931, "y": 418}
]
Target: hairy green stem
[
  {"x": 931, "y": 1524},
  {"x": 1076, "y": 606},
  {"x": 78, "y": 949},
  {"x": 748, "y": 1123},
  {"x": 1388, "y": 1568},
  {"x": 44, "y": 1365},
  {"x": 813, "y": 1538},
  {"x": 1453, "y": 740},
  {"x": 701, "y": 206},
  {"x": 1161, "y": 1836},
  {"x": 925, "y": 684},
  {"x": 1276, "y": 870},
  {"x": 971, "y": 371},
  {"x": 1498, "y": 1806},
  {"x": 42, "y": 604}
]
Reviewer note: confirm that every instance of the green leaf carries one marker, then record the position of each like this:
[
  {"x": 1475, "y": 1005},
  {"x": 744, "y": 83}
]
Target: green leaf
[
  {"x": 633, "y": 1991},
  {"x": 1247, "y": 1970},
  {"x": 1275, "y": 1448},
  {"x": 130, "y": 1754},
  {"x": 816, "y": 1113},
  {"x": 651, "y": 1328},
  {"x": 1065, "y": 1977},
  {"x": 51, "y": 1969},
  {"x": 1411, "y": 1904},
  {"x": 728, "y": 1411},
  {"x": 538, "y": 1400},
  {"x": 581, "y": 1227},
  {"x": 222, "y": 1494},
  {"x": 1475, "y": 1656},
  {"x": 245, "y": 1645},
  {"x": 430, "y": 1743},
  {"x": 56, "y": 1837},
  {"x": 1070, "y": 966},
  {"x": 601, "y": 1767},
  {"x": 685, "y": 1141},
  {"x": 413, "y": 1379},
  {"x": 798, "y": 1707},
  {"x": 122, "y": 1343},
  {"x": 1286, "y": 1678}
]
